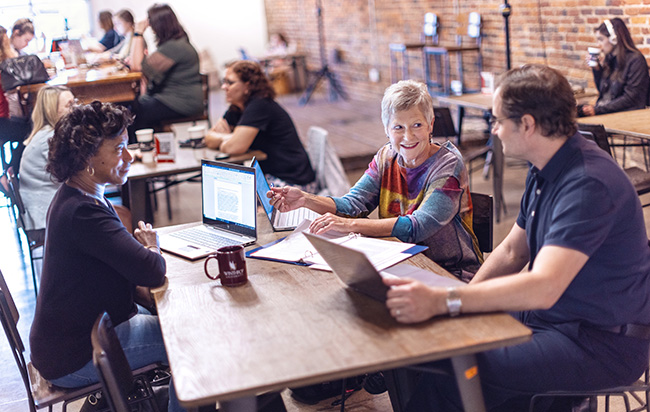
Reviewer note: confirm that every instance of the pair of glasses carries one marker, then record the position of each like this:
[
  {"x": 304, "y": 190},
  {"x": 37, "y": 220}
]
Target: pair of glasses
[
  {"x": 499, "y": 120},
  {"x": 228, "y": 82}
]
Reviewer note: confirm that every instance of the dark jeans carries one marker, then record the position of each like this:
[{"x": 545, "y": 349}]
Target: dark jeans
[
  {"x": 149, "y": 112},
  {"x": 564, "y": 356}
]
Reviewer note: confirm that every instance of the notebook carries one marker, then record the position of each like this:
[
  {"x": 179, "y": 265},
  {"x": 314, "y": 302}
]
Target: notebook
[
  {"x": 355, "y": 270},
  {"x": 279, "y": 220},
  {"x": 229, "y": 212}
]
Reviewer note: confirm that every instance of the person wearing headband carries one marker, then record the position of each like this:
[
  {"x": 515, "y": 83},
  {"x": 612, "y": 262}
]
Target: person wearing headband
[{"x": 621, "y": 73}]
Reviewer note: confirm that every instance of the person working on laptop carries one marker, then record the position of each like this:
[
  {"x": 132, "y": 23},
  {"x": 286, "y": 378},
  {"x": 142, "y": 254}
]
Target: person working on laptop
[
  {"x": 91, "y": 262},
  {"x": 421, "y": 188},
  {"x": 581, "y": 232},
  {"x": 255, "y": 121}
]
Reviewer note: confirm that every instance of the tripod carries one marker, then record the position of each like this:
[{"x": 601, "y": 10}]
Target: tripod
[{"x": 324, "y": 72}]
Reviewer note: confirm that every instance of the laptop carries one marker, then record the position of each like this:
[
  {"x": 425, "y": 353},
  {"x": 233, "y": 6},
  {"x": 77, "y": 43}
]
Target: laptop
[
  {"x": 356, "y": 271},
  {"x": 229, "y": 212},
  {"x": 279, "y": 220}
]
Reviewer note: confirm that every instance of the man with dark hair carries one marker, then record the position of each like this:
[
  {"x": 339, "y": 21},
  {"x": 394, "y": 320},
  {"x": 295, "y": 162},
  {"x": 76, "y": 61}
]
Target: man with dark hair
[{"x": 581, "y": 234}]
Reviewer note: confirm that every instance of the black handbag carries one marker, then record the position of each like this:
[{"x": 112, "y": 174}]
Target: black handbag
[{"x": 22, "y": 70}]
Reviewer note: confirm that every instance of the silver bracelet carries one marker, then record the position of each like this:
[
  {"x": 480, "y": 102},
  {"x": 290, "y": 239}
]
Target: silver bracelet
[
  {"x": 453, "y": 302},
  {"x": 156, "y": 247}
]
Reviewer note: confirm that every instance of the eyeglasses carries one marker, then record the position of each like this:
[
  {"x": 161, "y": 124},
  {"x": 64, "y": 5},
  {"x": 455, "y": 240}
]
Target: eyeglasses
[
  {"x": 499, "y": 120},
  {"x": 228, "y": 82}
]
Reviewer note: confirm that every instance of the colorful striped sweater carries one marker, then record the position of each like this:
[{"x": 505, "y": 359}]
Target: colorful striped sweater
[{"x": 431, "y": 201}]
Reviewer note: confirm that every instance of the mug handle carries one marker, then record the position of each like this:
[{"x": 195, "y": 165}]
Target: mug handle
[{"x": 205, "y": 267}]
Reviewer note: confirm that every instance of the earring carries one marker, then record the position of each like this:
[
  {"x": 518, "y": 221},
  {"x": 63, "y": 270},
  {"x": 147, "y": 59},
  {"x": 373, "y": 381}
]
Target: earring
[{"x": 90, "y": 170}]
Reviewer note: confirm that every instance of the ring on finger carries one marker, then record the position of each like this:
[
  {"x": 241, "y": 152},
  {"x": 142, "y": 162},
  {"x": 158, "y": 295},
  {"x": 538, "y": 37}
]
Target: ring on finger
[{"x": 398, "y": 312}]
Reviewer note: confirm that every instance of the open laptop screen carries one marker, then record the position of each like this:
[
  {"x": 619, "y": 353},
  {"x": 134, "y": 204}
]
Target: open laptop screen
[
  {"x": 262, "y": 189},
  {"x": 228, "y": 196}
]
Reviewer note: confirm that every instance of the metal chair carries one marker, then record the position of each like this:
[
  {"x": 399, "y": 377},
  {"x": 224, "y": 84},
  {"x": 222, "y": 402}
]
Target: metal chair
[
  {"x": 40, "y": 393},
  {"x": 331, "y": 177},
  {"x": 639, "y": 178},
  {"x": 35, "y": 237},
  {"x": 121, "y": 388},
  {"x": 482, "y": 220}
]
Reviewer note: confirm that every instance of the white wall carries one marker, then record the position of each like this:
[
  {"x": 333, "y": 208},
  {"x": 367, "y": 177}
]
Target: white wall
[{"x": 219, "y": 26}]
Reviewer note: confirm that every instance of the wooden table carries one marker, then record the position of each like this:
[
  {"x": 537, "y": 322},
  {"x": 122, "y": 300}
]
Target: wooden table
[
  {"x": 634, "y": 123},
  {"x": 290, "y": 326},
  {"x": 134, "y": 192},
  {"x": 298, "y": 64},
  {"x": 105, "y": 84}
]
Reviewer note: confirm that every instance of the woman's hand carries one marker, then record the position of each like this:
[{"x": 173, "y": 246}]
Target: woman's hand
[
  {"x": 221, "y": 126},
  {"x": 141, "y": 26},
  {"x": 410, "y": 301},
  {"x": 286, "y": 198},
  {"x": 329, "y": 222},
  {"x": 588, "y": 110},
  {"x": 146, "y": 235}
]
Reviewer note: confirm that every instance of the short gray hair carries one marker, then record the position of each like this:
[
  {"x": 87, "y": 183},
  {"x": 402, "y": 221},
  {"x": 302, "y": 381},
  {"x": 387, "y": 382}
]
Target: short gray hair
[{"x": 404, "y": 95}]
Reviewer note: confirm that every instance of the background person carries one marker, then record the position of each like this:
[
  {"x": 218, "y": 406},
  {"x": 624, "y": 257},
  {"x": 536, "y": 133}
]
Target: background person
[
  {"x": 621, "y": 75},
  {"x": 255, "y": 121},
  {"x": 124, "y": 25},
  {"x": 111, "y": 38},
  {"x": 21, "y": 34},
  {"x": 174, "y": 87},
  {"x": 581, "y": 233},
  {"x": 12, "y": 129},
  {"x": 420, "y": 188},
  {"x": 37, "y": 186},
  {"x": 92, "y": 263}
]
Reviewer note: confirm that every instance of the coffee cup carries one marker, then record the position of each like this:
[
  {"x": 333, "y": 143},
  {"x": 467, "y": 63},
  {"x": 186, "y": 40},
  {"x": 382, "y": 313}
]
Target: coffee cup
[
  {"x": 231, "y": 263},
  {"x": 457, "y": 87},
  {"x": 196, "y": 135},
  {"x": 144, "y": 135},
  {"x": 594, "y": 52}
]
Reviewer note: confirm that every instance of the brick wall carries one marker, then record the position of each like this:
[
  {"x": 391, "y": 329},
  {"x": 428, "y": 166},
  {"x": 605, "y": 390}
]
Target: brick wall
[{"x": 361, "y": 31}]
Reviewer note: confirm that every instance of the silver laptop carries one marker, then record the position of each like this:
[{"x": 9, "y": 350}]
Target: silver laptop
[
  {"x": 279, "y": 220},
  {"x": 356, "y": 271},
  {"x": 229, "y": 212}
]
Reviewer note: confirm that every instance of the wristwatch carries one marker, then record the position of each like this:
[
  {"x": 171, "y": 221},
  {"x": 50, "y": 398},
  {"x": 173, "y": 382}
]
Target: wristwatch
[
  {"x": 136, "y": 34},
  {"x": 453, "y": 302}
]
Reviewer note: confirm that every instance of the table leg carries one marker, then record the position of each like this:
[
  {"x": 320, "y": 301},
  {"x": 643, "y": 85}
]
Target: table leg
[
  {"x": 461, "y": 114},
  {"x": 134, "y": 196},
  {"x": 497, "y": 177},
  {"x": 246, "y": 404},
  {"x": 469, "y": 384}
]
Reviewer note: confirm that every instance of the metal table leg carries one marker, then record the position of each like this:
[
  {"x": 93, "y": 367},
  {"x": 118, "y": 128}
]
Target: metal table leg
[{"x": 469, "y": 383}]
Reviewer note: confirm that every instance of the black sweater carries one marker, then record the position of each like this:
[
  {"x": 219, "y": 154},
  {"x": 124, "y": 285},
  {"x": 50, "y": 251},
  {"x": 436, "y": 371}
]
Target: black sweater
[{"x": 91, "y": 265}]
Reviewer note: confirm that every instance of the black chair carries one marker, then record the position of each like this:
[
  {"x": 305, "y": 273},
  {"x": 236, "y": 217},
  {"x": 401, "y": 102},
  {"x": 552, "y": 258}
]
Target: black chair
[
  {"x": 40, "y": 393},
  {"x": 639, "y": 178},
  {"x": 35, "y": 237},
  {"x": 482, "y": 220},
  {"x": 121, "y": 388}
]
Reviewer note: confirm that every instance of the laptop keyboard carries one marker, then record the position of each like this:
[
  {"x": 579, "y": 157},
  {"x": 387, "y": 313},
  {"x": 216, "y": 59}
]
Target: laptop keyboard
[{"x": 204, "y": 238}]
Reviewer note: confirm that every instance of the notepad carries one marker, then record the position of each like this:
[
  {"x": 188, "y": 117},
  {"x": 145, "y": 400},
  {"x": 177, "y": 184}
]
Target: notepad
[{"x": 295, "y": 248}]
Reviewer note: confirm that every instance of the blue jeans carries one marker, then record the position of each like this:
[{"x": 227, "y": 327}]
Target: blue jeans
[{"x": 143, "y": 345}]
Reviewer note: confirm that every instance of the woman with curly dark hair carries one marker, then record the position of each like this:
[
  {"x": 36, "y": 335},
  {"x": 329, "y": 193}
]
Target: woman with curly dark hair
[
  {"x": 92, "y": 264},
  {"x": 621, "y": 73},
  {"x": 255, "y": 121}
]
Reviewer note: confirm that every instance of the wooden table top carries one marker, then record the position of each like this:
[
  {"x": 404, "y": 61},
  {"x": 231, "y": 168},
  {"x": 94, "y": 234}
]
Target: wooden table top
[
  {"x": 635, "y": 123},
  {"x": 187, "y": 160},
  {"x": 291, "y": 326},
  {"x": 81, "y": 77}
]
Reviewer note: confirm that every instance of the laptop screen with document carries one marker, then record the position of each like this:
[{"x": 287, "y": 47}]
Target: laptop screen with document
[{"x": 228, "y": 193}]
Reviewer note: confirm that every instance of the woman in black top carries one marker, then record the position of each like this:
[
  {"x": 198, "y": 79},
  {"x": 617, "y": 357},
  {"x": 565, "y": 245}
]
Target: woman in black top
[
  {"x": 621, "y": 74},
  {"x": 255, "y": 121},
  {"x": 91, "y": 262}
]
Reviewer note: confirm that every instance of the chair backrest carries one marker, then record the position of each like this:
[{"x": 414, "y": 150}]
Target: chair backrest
[
  {"x": 430, "y": 28},
  {"x": 111, "y": 363},
  {"x": 330, "y": 174},
  {"x": 9, "y": 317},
  {"x": 482, "y": 220},
  {"x": 469, "y": 25},
  {"x": 443, "y": 125},
  {"x": 597, "y": 133}
]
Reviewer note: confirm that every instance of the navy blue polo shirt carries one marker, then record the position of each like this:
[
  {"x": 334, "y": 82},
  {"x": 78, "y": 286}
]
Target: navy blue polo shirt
[{"x": 583, "y": 200}]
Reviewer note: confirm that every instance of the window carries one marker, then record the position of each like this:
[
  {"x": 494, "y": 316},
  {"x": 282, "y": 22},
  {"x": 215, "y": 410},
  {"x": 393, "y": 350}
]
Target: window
[{"x": 53, "y": 19}]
